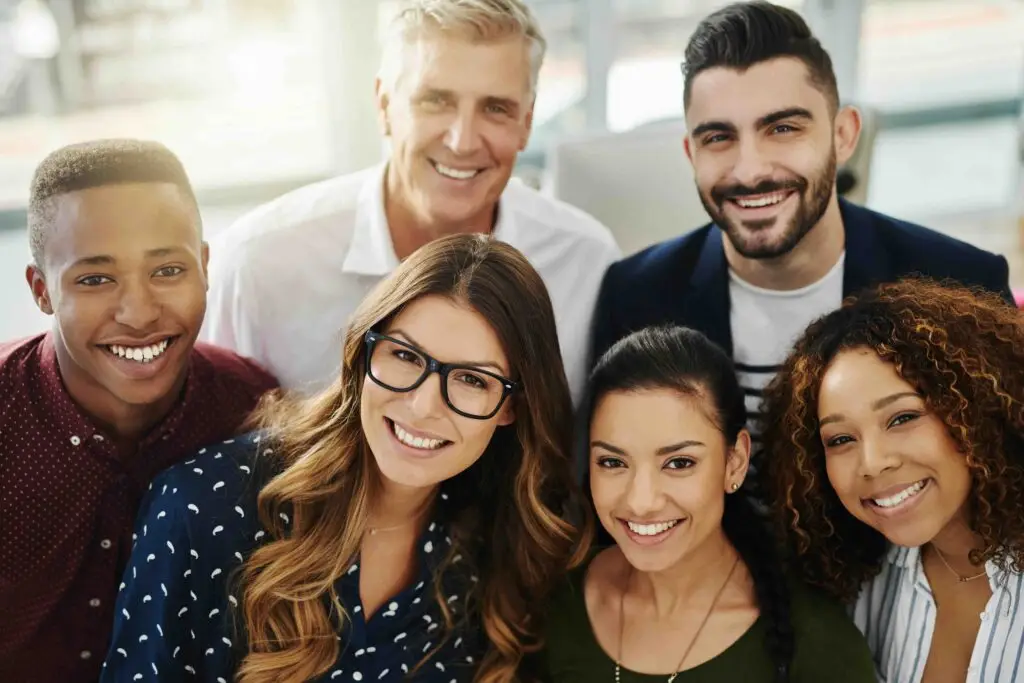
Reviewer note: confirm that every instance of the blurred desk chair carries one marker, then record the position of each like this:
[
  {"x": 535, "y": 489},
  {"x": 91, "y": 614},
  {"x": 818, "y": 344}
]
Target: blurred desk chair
[{"x": 640, "y": 184}]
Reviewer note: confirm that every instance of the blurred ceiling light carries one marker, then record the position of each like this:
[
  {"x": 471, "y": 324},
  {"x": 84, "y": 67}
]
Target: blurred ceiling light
[{"x": 34, "y": 30}]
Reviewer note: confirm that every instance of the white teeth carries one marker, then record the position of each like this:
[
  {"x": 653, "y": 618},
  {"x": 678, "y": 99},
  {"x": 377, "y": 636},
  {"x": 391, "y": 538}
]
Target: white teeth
[
  {"x": 415, "y": 441},
  {"x": 651, "y": 529},
  {"x": 455, "y": 173},
  {"x": 767, "y": 200},
  {"x": 140, "y": 354},
  {"x": 893, "y": 501}
]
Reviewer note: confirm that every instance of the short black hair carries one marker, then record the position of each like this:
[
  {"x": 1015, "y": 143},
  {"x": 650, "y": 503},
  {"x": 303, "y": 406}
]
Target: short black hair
[
  {"x": 98, "y": 163},
  {"x": 743, "y": 34}
]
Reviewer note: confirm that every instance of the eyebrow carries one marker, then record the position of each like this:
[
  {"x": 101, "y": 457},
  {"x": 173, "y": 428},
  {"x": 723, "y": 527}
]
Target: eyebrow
[
  {"x": 471, "y": 363},
  {"x": 762, "y": 122},
  {"x": 664, "y": 450},
  {"x": 877, "y": 405},
  {"x": 106, "y": 260}
]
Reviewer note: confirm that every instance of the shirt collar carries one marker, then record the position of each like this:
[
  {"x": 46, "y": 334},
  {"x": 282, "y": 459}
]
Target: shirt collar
[
  {"x": 71, "y": 416},
  {"x": 372, "y": 252},
  {"x": 999, "y": 580}
]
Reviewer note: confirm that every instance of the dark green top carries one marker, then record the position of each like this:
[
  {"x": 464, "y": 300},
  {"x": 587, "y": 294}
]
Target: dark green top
[{"x": 829, "y": 648}]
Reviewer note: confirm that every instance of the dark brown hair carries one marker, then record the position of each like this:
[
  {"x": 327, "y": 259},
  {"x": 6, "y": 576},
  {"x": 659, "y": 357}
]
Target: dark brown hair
[
  {"x": 507, "y": 513},
  {"x": 963, "y": 350}
]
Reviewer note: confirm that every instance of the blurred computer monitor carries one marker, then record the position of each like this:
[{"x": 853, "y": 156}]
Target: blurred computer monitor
[{"x": 639, "y": 183}]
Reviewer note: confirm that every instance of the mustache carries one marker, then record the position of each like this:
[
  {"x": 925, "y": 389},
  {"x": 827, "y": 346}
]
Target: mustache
[{"x": 722, "y": 192}]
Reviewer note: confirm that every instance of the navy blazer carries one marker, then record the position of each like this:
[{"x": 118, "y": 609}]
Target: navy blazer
[{"x": 685, "y": 280}]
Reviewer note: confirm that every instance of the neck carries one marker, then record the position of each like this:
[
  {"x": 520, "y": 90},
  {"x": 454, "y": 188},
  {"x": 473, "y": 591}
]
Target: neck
[
  {"x": 410, "y": 229},
  {"x": 397, "y": 505},
  {"x": 700, "y": 574},
  {"x": 955, "y": 542},
  {"x": 125, "y": 423},
  {"x": 809, "y": 261}
]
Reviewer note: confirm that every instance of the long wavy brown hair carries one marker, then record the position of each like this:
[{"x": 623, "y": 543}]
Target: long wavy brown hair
[
  {"x": 508, "y": 514},
  {"x": 963, "y": 350}
]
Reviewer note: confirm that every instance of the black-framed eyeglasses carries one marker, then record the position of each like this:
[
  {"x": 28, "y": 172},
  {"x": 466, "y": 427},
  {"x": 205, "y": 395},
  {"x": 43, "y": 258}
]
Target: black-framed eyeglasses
[{"x": 401, "y": 367}]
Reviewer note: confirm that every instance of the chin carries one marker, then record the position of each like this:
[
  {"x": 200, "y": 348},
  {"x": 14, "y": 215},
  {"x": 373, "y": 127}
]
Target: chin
[{"x": 907, "y": 535}]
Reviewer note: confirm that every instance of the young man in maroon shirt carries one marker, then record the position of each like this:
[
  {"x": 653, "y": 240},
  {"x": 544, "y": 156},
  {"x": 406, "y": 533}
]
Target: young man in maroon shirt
[{"x": 115, "y": 392}]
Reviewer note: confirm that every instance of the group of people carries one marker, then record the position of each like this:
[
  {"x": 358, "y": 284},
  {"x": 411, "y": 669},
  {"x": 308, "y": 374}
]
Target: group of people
[{"x": 433, "y": 427}]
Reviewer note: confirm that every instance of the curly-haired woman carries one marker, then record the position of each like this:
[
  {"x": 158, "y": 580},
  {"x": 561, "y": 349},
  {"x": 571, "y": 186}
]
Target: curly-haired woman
[
  {"x": 404, "y": 525},
  {"x": 895, "y": 435}
]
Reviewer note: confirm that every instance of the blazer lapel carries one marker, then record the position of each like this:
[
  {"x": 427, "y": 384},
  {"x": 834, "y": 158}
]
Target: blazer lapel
[
  {"x": 867, "y": 262},
  {"x": 706, "y": 299}
]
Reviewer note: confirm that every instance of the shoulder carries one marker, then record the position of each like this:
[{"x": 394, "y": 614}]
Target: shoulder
[
  {"x": 19, "y": 353},
  {"x": 293, "y": 219},
  {"x": 826, "y": 638},
  {"x": 917, "y": 248},
  {"x": 662, "y": 260},
  {"x": 220, "y": 482},
  {"x": 556, "y": 219},
  {"x": 232, "y": 371}
]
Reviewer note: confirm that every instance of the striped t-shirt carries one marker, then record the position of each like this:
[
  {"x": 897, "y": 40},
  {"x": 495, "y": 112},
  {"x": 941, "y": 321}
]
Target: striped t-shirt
[
  {"x": 766, "y": 322},
  {"x": 896, "y": 612}
]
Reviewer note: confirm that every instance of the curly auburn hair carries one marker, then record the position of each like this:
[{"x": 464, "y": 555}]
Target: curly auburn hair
[{"x": 963, "y": 350}]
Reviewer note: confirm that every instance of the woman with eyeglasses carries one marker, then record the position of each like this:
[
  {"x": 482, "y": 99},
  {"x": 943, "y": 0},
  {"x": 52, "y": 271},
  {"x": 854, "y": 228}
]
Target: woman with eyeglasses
[{"x": 408, "y": 523}]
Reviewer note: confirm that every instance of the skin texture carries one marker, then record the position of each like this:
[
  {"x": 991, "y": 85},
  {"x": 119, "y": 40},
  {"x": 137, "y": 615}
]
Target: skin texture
[{"x": 123, "y": 264}]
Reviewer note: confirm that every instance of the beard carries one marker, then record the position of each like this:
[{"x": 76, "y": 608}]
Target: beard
[{"x": 812, "y": 195}]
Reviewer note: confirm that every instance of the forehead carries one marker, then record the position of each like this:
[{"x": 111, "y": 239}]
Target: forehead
[
  {"x": 474, "y": 68},
  {"x": 741, "y": 97},
  {"x": 450, "y": 331},
  {"x": 856, "y": 378},
  {"x": 651, "y": 418},
  {"x": 121, "y": 220}
]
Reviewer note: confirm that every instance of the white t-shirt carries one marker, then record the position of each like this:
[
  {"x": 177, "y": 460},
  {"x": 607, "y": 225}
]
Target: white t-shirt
[
  {"x": 286, "y": 278},
  {"x": 766, "y": 322}
]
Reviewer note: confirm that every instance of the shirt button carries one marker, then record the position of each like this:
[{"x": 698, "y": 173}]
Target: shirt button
[
  {"x": 95, "y": 602},
  {"x": 105, "y": 544},
  {"x": 75, "y": 440},
  {"x": 85, "y": 654}
]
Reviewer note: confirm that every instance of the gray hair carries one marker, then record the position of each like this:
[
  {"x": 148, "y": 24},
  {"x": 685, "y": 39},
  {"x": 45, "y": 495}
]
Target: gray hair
[{"x": 479, "y": 20}]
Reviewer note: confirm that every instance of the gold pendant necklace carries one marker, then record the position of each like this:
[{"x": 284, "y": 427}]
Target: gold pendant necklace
[
  {"x": 707, "y": 615},
  {"x": 959, "y": 578}
]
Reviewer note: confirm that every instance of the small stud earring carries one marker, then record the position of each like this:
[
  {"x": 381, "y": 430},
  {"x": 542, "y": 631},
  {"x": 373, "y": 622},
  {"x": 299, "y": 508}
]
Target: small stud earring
[{"x": 735, "y": 486}]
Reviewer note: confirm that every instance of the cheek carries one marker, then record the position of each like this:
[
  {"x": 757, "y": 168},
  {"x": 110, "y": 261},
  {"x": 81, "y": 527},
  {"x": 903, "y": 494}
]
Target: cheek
[
  {"x": 842, "y": 475},
  {"x": 504, "y": 142}
]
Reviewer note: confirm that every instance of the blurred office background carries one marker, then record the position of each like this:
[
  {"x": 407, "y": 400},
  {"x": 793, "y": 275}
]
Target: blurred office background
[{"x": 260, "y": 96}]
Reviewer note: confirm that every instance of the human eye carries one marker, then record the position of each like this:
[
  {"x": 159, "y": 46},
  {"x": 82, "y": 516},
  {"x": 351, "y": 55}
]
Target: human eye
[
  {"x": 169, "y": 271},
  {"x": 609, "y": 462},
  {"x": 903, "y": 418},
  {"x": 836, "y": 441},
  {"x": 472, "y": 379},
  {"x": 680, "y": 463},
  {"x": 93, "y": 280}
]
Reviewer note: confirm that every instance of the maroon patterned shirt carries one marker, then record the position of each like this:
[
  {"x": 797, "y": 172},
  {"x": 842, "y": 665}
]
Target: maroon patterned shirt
[{"x": 68, "y": 502}]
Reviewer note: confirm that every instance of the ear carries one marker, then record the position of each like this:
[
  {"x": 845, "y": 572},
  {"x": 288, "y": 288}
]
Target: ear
[
  {"x": 847, "y": 133},
  {"x": 206, "y": 263},
  {"x": 507, "y": 415},
  {"x": 738, "y": 463},
  {"x": 687, "y": 149},
  {"x": 528, "y": 123},
  {"x": 382, "y": 99},
  {"x": 40, "y": 293}
]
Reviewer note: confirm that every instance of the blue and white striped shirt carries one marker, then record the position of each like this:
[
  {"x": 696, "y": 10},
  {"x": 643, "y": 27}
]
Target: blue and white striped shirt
[{"x": 896, "y": 613}]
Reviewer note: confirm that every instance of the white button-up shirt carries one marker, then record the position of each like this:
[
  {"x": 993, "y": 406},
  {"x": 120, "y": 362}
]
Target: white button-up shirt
[
  {"x": 896, "y": 613},
  {"x": 286, "y": 278}
]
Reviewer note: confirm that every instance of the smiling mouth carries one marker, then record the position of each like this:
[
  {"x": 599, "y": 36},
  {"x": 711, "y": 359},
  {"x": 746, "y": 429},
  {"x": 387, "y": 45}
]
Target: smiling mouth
[
  {"x": 419, "y": 443},
  {"x": 894, "y": 501},
  {"x": 454, "y": 173},
  {"x": 140, "y": 354},
  {"x": 760, "y": 201},
  {"x": 650, "y": 530}
]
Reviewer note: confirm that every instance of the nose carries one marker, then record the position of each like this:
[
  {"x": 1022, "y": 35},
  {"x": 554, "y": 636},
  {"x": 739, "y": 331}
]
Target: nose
[
  {"x": 463, "y": 135},
  {"x": 875, "y": 458},
  {"x": 643, "y": 496},
  {"x": 137, "y": 307},
  {"x": 752, "y": 165},
  {"x": 426, "y": 400}
]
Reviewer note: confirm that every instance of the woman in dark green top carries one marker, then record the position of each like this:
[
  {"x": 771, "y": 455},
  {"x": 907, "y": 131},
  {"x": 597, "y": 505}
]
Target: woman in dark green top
[{"x": 692, "y": 590}]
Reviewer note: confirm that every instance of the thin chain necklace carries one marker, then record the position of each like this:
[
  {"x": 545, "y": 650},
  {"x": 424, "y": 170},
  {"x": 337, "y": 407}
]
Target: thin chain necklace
[
  {"x": 959, "y": 578},
  {"x": 416, "y": 517},
  {"x": 679, "y": 667}
]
